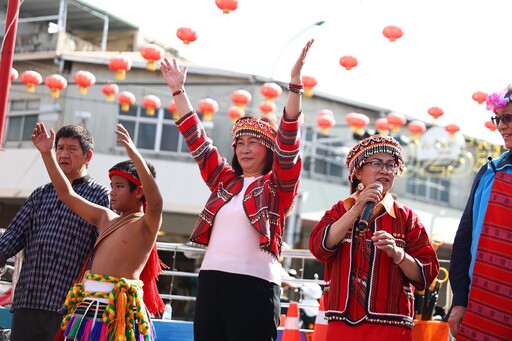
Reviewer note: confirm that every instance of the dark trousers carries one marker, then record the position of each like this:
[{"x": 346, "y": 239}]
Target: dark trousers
[
  {"x": 34, "y": 325},
  {"x": 233, "y": 307}
]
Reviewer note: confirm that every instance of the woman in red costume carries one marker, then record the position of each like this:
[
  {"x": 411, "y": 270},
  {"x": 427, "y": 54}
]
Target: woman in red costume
[{"x": 370, "y": 268}]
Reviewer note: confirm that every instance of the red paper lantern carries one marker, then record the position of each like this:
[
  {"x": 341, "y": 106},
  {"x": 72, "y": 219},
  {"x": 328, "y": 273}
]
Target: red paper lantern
[
  {"x": 489, "y": 125},
  {"x": 416, "y": 128},
  {"x": 14, "y": 75},
  {"x": 382, "y": 125},
  {"x": 151, "y": 103},
  {"x": 435, "y": 112},
  {"x": 235, "y": 113},
  {"x": 479, "y": 97},
  {"x": 110, "y": 90},
  {"x": 241, "y": 98},
  {"x": 396, "y": 120},
  {"x": 267, "y": 107},
  {"x": 309, "y": 83},
  {"x": 173, "y": 109},
  {"x": 348, "y": 62},
  {"x": 31, "y": 79},
  {"x": 126, "y": 99},
  {"x": 392, "y": 33},
  {"x": 452, "y": 129},
  {"x": 55, "y": 83},
  {"x": 120, "y": 64},
  {"x": 270, "y": 91},
  {"x": 325, "y": 121},
  {"x": 152, "y": 53},
  {"x": 186, "y": 35},
  {"x": 357, "y": 122},
  {"x": 227, "y": 5},
  {"x": 84, "y": 79},
  {"x": 208, "y": 107}
]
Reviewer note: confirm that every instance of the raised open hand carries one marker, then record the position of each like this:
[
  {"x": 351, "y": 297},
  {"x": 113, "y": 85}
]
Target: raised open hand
[
  {"x": 42, "y": 141},
  {"x": 174, "y": 77},
  {"x": 297, "y": 68},
  {"x": 125, "y": 139}
]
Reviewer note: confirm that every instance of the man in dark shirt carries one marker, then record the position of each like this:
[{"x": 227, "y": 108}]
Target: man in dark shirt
[{"x": 55, "y": 241}]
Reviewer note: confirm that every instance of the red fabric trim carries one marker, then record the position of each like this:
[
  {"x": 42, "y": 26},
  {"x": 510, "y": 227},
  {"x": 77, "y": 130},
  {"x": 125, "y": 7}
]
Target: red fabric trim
[{"x": 125, "y": 175}]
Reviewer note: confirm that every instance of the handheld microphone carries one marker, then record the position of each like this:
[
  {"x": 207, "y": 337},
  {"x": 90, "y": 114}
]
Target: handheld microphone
[{"x": 367, "y": 212}]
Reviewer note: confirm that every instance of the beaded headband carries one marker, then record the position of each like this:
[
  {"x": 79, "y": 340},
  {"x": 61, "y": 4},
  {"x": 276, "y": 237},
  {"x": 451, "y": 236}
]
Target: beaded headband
[
  {"x": 373, "y": 145},
  {"x": 499, "y": 100},
  {"x": 125, "y": 175},
  {"x": 262, "y": 130}
]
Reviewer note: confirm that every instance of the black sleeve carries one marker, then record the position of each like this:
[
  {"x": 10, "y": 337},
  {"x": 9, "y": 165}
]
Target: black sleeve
[{"x": 461, "y": 249}]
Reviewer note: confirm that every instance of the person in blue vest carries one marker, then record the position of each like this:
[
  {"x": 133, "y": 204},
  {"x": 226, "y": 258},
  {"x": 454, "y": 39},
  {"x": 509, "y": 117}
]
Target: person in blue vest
[{"x": 481, "y": 260}]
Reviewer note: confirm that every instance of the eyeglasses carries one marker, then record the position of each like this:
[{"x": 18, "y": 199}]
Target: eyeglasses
[
  {"x": 379, "y": 166},
  {"x": 507, "y": 118}
]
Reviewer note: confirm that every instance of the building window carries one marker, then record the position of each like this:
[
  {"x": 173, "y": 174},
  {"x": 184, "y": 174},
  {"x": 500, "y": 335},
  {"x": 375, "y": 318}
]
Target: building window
[
  {"x": 157, "y": 133},
  {"x": 21, "y": 120},
  {"x": 430, "y": 189},
  {"x": 323, "y": 157}
]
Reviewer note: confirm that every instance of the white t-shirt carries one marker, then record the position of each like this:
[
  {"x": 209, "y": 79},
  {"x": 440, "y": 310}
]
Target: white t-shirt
[{"x": 235, "y": 245}]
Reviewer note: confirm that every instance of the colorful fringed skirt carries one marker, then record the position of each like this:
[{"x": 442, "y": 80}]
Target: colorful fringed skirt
[{"x": 107, "y": 308}]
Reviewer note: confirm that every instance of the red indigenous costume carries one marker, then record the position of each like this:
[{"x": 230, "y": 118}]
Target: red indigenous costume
[
  {"x": 367, "y": 296},
  {"x": 267, "y": 200},
  {"x": 489, "y": 312}
]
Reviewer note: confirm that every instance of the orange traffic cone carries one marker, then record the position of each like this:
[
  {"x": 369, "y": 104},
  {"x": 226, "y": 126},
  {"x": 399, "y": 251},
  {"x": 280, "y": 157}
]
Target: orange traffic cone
[
  {"x": 320, "y": 330},
  {"x": 291, "y": 327}
]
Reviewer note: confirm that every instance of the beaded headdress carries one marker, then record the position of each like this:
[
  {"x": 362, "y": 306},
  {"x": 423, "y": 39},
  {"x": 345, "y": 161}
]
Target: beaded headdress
[
  {"x": 499, "y": 100},
  {"x": 256, "y": 127},
  {"x": 373, "y": 145}
]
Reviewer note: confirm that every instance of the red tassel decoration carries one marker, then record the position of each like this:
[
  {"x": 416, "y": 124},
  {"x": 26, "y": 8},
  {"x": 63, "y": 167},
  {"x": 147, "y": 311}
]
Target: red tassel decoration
[{"x": 154, "y": 267}]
